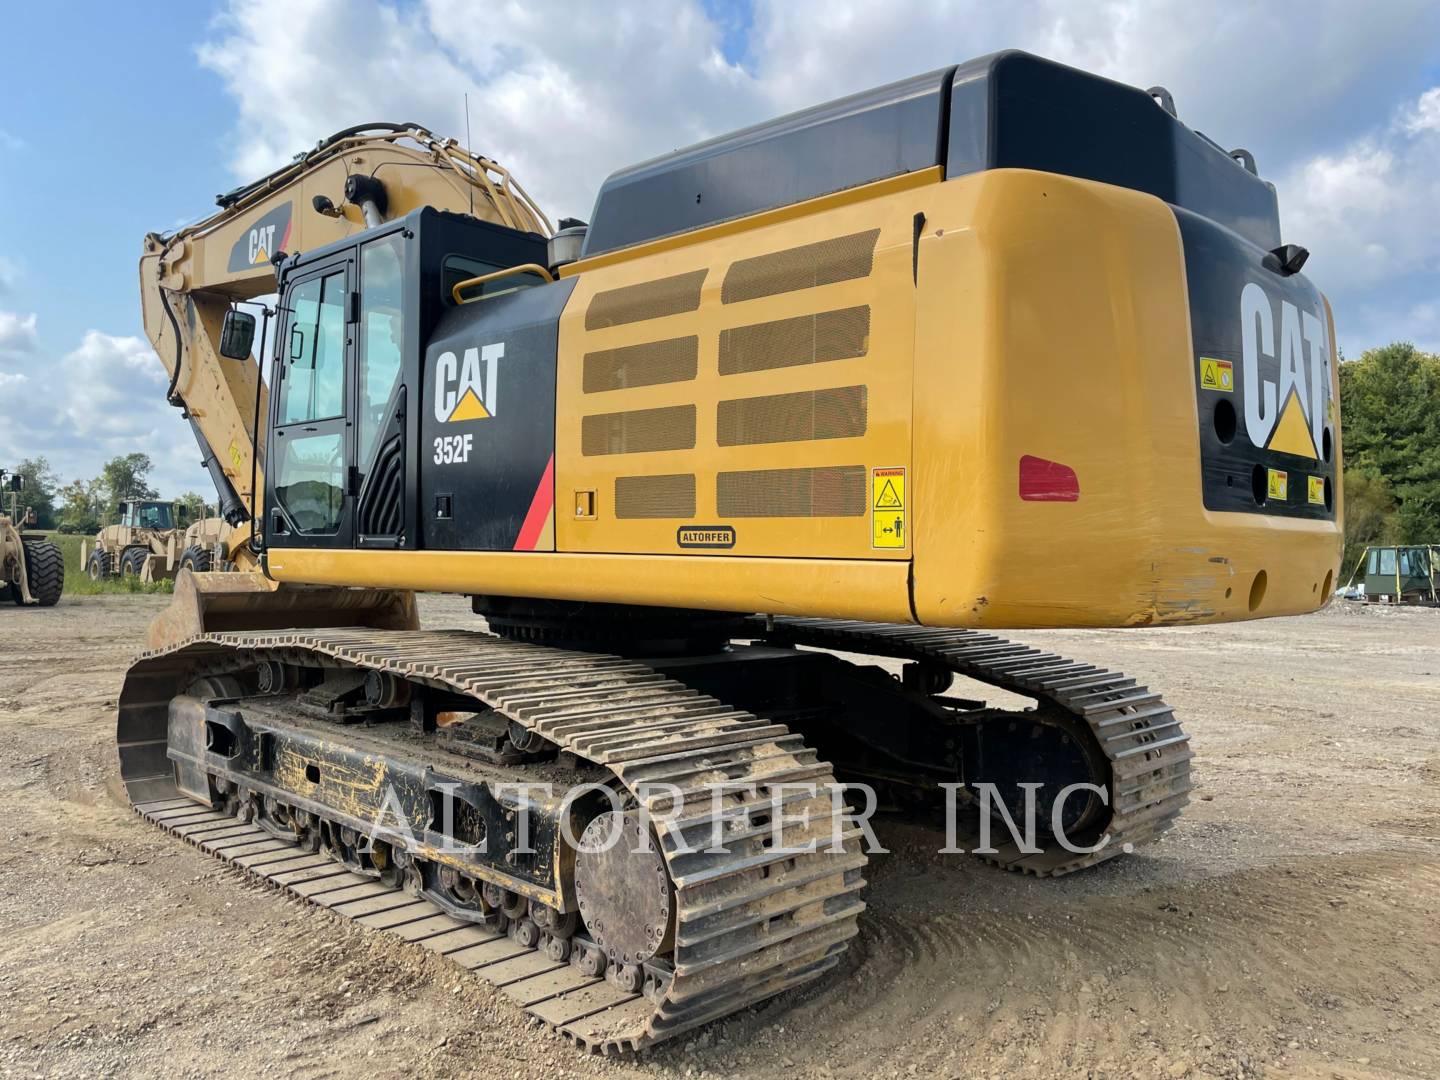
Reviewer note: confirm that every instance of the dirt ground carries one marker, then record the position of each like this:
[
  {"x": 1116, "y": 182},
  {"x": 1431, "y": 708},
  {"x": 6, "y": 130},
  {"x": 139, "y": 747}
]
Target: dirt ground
[{"x": 1287, "y": 927}]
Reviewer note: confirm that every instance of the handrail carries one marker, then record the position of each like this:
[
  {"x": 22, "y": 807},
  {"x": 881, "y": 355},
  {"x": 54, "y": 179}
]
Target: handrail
[{"x": 523, "y": 268}]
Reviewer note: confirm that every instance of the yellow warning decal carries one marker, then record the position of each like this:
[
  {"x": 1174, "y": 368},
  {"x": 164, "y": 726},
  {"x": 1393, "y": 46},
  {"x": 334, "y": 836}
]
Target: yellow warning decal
[
  {"x": 1217, "y": 375},
  {"x": 235, "y": 458},
  {"x": 887, "y": 508},
  {"x": 1279, "y": 486},
  {"x": 1317, "y": 490}
]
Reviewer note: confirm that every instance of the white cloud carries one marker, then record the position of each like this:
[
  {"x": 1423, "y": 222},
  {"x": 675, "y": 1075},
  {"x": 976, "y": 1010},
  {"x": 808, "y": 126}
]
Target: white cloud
[
  {"x": 1268, "y": 77},
  {"x": 1326, "y": 93},
  {"x": 17, "y": 333},
  {"x": 563, "y": 98},
  {"x": 1425, "y": 115},
  {"x": 103, "y": 398},
  {"x": 118, "y": 379},
  {"x": 1368, "y": 211},
  {"x": 559, "y": 100},
  {"x": 9, "y": 273}
]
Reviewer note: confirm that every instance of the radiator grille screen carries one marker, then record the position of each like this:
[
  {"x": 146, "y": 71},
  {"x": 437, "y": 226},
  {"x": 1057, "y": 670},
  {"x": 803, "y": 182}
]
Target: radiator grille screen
[
  {"x": 836, "y": 491},
  {"x": 806, "y": 339},
  {"x": 655, "y": 496},
  {"x": 834, "y": 413},
  {"x": 654, "y": 362},
  {"x": 648, "y": 300},
  {"x": 638, "y": 431},
  {"x": 804, "y": 267}
]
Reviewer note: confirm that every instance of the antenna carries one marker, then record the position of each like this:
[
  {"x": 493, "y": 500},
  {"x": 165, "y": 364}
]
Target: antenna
[{"x": 470, "y": 151}]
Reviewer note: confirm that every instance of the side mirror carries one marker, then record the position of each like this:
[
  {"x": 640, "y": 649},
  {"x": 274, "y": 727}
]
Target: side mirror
[
  {"x": 16, "y": 483},
  {"x": 237, "y": 334}
]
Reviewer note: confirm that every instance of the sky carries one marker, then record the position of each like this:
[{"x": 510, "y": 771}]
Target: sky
[{"x": 117, "y": 120}]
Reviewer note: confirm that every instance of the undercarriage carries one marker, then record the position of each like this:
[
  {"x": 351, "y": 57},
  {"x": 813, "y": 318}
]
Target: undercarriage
[{"x": 632, "y": 845}]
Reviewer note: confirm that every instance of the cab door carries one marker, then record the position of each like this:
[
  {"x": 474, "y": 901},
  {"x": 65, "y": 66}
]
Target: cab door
[
  {"x": 384, "y": 353},
  {"x": 310, "y": 480}
]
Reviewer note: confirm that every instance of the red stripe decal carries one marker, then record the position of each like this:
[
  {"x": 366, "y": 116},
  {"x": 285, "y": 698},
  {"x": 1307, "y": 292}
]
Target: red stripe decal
[{"x": 540, "y": 508}]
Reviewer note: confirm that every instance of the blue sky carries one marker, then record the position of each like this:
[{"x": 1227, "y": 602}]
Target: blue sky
[
  {"x": 99, "y": 102},
  {"x": 119, "y": 119}
]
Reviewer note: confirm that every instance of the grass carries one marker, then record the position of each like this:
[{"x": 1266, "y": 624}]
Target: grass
[{"x": 78, "y": 583}]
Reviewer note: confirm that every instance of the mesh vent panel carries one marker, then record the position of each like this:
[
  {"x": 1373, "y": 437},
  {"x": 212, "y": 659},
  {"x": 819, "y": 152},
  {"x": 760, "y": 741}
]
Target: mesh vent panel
[
  {"x": 675, "y": 360},
  {"x": 836, "y": 491},
  {"x": 638, "y": 431},
  {"x": 648, "y": 300},
  {"x": 806, "y": 339},
  {"x": 834, "y": 413},
  {"x": 655, "y": 496},
  {"x": 803, "y": 267}
]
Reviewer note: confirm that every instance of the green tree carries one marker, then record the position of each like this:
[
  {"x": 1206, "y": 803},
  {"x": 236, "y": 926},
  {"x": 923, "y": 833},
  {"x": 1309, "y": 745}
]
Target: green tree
[
  {"x": 38, "y": 494},
  {"x": 126, "y": 477},
  {"x": 82, "y": 502},
  {"x": 191, "y": 506},
  {"x": 1390, "y": 402},
  {"x": 1371, "y": 516}
]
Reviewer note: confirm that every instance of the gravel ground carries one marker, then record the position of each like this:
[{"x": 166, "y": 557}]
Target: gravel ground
[{"x": 1286, "y": 927}]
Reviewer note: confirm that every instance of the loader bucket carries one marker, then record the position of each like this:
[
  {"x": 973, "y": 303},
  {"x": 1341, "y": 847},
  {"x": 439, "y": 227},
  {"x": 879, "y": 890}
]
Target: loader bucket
[{"x": 217, "y": 602}]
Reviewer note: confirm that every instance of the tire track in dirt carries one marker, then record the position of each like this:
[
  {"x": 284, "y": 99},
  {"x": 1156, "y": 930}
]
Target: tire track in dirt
[{"x": 1296, "y": 903}]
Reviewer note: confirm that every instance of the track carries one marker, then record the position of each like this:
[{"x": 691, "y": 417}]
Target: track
[
  {"x": 750, "y": 922},
  {"x": 1137, "y": 732}
]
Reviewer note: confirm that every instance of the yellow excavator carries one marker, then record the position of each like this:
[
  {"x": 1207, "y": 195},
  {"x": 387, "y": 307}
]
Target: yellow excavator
[{"x": 742, "y": 474}]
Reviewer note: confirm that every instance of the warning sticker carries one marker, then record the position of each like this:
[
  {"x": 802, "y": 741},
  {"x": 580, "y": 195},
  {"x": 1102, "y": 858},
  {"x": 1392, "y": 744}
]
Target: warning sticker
[
  {"x": 1217, "y": 375},
  {"x": 887, "y": 508},
  {"x": 1279, "y": 486},
  {"x": 1317, "y": 490},
  {"x": 235, "y": 458}
]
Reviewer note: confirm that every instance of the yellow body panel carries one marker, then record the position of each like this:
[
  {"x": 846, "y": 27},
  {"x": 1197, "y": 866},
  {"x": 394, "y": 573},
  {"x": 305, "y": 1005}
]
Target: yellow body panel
[
  {"x": 1064, "y": 333},
  {"x": 879, "y": 378},
  {"x": 873, "y": 589},
  {"x": 1036, "y": 315}
]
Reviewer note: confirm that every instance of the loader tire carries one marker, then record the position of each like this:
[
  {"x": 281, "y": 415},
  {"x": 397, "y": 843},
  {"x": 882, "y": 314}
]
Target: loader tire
[
  {"x": 100, "y": 566},
  {"x": 45, "y": 569},
  {"x": 196, "y": 559},
  {"x": 132, "y": 562}
]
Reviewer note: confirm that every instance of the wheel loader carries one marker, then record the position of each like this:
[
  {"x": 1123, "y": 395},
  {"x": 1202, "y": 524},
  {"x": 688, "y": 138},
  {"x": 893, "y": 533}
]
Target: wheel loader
[
  {"x": 1003, "y": 345},
  {"x": 152, "y": 542},
  {"x": 32, "y": 570}
]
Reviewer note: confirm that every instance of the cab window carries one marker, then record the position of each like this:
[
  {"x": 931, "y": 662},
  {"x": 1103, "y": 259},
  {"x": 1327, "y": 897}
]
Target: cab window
[
  {"x": 382, "y": 335},
  {"x": 1387, "y": 560},
  {"x": 313, "y": 385},
  {"x": 154, "y": 517},
  {"x": 308, "y": 482}
]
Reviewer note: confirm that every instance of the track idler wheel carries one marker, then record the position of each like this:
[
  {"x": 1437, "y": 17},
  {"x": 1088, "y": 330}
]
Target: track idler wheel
[
  {"x": 1050, "y": 748},
  {"x": 624, "y": 891}
]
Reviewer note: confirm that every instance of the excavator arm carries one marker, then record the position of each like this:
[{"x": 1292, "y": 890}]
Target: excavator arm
[{"x": 190, "y": 279}]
